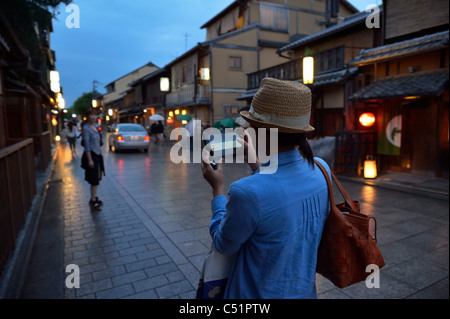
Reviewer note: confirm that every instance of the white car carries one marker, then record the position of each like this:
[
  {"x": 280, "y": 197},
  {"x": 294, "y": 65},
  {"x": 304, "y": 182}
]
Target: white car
[{"x": 129, "y": 136}]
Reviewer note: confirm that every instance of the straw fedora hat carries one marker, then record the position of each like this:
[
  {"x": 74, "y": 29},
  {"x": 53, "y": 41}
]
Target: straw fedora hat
[{"x": 285, "y": 105}]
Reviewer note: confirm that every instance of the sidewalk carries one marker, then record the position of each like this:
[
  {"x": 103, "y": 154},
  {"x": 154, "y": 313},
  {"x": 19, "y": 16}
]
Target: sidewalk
[
  {"x": 423, "y": 185},
  {"x": 152, "y": 234},
  {"x": 117, "y": 250}
]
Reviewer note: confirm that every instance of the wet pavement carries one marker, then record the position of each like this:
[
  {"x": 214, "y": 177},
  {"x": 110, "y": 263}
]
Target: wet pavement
[{"x": 150, "y": 239}]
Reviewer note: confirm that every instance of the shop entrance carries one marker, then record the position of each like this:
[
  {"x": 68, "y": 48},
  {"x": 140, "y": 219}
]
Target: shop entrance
[{"x": 418, "y": 151}]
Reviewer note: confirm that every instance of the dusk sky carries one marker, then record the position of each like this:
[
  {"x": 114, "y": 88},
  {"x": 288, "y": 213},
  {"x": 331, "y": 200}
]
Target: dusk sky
[{"x": 118, "y": 36}]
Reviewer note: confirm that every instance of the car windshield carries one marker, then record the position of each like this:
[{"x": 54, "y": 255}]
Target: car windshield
[{"x": 131, "y": 128}]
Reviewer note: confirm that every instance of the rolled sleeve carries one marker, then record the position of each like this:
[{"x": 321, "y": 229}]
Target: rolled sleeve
[
  {"x": 86, "y": 138},
  {"x": 233, "y": 221},
  {"x": 218, "y": 206}
]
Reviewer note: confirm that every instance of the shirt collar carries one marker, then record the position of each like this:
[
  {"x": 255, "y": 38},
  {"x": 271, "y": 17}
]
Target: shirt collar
[{"x": 286, "y": 157}]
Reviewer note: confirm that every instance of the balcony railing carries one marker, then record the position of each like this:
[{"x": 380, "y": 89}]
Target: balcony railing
[
  {"x": 287, "y": 71},
  {"x": 186, "y": 95},
  {"x": 18, "y": 187},
  {"x": 154, "y": 100}
]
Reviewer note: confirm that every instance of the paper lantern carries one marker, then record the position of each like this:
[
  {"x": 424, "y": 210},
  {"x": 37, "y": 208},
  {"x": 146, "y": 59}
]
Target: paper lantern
[
  {"x": 164, "y": 84},
  {"x": 308, "y": 70},
  {"x": 367, "y": 119},
  {"x": 370, "y": 167}
]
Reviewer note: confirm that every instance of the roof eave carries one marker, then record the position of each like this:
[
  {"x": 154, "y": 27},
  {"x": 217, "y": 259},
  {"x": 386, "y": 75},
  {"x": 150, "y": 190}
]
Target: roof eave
[
  {"x": 325, "y": 33},
  {"x": 220, "y": 14}
]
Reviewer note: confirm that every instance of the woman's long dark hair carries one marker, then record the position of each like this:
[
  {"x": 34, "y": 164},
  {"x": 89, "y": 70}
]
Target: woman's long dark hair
[{"x": 298, "y": 139}]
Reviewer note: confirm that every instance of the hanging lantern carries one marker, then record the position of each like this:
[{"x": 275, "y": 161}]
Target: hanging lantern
[
  {"x": 164, "y": 84},
  {"x": 54, "y": 82},
  {"x": 308, "y": 70},
  {"x": 204, "y": 74},
  {"x": 169, "y": 120},
  {"x": 367, "y": 119},
  {"x": 370, "y": 167}
]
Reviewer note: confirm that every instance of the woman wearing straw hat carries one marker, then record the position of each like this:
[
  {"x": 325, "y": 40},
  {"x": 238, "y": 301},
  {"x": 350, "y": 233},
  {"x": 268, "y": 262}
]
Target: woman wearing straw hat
[{"x": 273, "y": 222}]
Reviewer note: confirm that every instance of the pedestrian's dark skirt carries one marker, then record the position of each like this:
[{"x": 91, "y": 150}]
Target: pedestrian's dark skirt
[
  {"x": 71, "y": 140},
  {"x": 93, "y": 175}
]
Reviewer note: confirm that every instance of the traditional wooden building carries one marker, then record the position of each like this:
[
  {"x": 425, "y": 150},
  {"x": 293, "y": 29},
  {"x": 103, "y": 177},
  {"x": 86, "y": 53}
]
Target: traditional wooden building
[
  {"x": 120, "y": 98},
  {"x": 26, "y": 102},
  {"x": 395, "y": 74},
  {"x": 241, "y": 39},
  {"x": 150, "y": 95},
  {"x": 244, "y": 38},
  {"x": 190, "y": 87},
  {"x": 404, "y": 84},
  {"x": 332, "y": 50}
]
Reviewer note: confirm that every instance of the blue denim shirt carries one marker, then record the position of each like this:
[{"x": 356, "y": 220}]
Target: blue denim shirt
[
  {"x": 273, "y": 222},
  {"x": 91, "y": 139}
]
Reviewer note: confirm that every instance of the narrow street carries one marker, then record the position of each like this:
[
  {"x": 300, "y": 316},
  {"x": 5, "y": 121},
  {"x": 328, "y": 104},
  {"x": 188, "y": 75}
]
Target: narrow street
[{"x": 152, "y": 234}]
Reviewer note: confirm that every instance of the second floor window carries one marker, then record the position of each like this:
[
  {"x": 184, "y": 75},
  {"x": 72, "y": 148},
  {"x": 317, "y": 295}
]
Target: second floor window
[
  {"x": 110, "y": 88},
  {"x": 274, "y": 18},
  {"x": 230, "y": 110},
  {"x": 331, "y": 59},
  {"x": 235, "y": 62}
]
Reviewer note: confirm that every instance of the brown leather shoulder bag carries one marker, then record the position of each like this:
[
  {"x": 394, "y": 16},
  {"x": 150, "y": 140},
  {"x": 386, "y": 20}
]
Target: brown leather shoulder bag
[{"x": 346, "y": 247}]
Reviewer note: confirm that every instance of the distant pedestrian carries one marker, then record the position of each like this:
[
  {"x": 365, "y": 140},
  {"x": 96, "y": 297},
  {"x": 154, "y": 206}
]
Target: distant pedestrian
[
  {"x": 152, "y": 129},
  {"x": 273, "y": 222},
  {"x": 159, "y": 132},
  {"x": 92, "y": 160},
  {"x": 71, "y": 132}
]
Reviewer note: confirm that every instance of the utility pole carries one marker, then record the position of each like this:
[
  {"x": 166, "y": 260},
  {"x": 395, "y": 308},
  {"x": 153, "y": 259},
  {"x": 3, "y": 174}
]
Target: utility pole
[
  {"x": 94, "y": 101},
  {"x": 94, "y": 94},
  {"x": 94, "y": 85}
]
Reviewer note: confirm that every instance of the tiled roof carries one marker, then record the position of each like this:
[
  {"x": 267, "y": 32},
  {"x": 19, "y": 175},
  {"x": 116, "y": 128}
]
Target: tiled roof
[
  {"x": 249, "y": 94},
  {"x": 333, "y": 77},
  {"x": 319, "y": 80},
  {"x": 148, "y": 76},
  {"x": 413, "y": 46},
  {"x": 429, "y": 83}
]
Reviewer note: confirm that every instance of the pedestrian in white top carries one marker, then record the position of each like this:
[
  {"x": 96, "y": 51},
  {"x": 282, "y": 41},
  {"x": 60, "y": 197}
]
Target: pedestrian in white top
[{"x": 72, "y": 133}]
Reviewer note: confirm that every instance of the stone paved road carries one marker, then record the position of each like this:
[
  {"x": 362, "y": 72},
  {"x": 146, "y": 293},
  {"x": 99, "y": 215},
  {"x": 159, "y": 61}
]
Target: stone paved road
[{"x": 152, "y": 234}]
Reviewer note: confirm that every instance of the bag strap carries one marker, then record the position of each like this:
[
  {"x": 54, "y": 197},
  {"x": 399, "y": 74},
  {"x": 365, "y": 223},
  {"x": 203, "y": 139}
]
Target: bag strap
[
  {"x": 327, "y": 178},
  {"x": 348, "y": 200}
]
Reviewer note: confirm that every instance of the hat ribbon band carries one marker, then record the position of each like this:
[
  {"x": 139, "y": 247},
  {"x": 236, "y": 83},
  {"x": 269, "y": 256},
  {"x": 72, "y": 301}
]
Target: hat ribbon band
[{"x": 299, "y": 122}]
